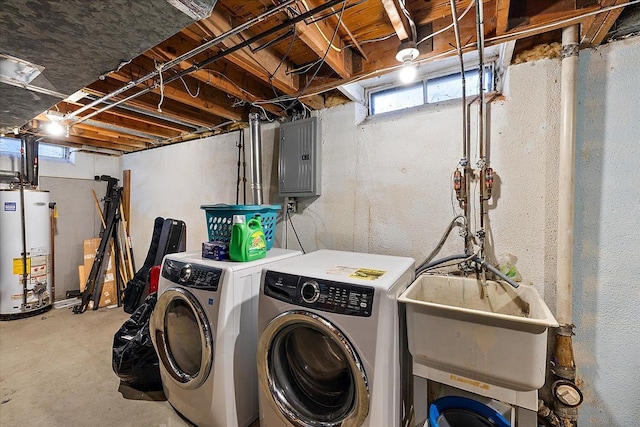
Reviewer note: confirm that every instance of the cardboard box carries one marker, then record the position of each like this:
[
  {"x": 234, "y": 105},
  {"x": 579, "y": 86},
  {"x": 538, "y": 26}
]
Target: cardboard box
[{"x": 109, "y": 295}]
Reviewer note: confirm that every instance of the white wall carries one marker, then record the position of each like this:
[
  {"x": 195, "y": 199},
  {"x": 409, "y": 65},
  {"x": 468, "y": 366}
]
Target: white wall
[
  {"x": 606, "y": 303},
  {"x": 386, "y": 188},
  {"x": 174, "y": 181},
  {"x": 83, "y": 166}
]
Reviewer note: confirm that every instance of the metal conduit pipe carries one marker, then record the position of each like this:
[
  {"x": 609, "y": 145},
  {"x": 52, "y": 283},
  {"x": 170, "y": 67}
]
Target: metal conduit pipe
[
  {"x": 148, "y": 113},
  {"x": 186, "y": 56},
  {"x": 481, "y": 119},
  {"x": 563, "y": 348},
  {"x": 23, "y": 219},
  {"x": 256, "y": 158},
  {"x": 464, "y": 162}
]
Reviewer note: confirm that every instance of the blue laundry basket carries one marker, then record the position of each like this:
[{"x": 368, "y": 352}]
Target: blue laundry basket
[{"x": 220, "y": 220}]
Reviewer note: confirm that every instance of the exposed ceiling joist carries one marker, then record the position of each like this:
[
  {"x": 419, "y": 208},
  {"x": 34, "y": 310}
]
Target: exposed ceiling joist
[
  {"x": 319, "y": 36},
  {"x": 221, "y": 79},
  {"x": 399, "y": 22},
  {"x": 264, "y": 64},
  {"x": 248, "y": 54},
  {"x": 148, "y": 117},
  {"x": 208, "y": 99},
  {"x": 170, "y": 108},
  {"x": 502, "y": 16},
  {"x": 595, "y": 28},
  {"x": 111, "y": 117}
]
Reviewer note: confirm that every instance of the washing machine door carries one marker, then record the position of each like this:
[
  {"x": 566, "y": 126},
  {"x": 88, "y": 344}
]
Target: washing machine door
[
  {"x": 313, "y": 373},
  {"x": 183, "y": 337}
]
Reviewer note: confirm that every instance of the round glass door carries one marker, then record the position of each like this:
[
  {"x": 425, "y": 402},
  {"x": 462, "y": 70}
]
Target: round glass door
[
  {"x": 314, "y": 374},
  {"x": 183, "y": 337}
]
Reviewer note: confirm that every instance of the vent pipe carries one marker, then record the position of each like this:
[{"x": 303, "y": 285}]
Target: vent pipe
[
  {"x": 9, "y": 176},
  {"x": 563, "y": 350},
  {"x": 256, "y": 158}
]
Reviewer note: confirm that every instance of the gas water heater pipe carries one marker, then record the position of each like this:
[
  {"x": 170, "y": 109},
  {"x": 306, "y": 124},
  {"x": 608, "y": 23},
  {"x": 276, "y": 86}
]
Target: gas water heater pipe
[
  {"x": 256, "y": 158},
  {"x": 563, "y": 349},
  {"x": 23, "y": 220}
]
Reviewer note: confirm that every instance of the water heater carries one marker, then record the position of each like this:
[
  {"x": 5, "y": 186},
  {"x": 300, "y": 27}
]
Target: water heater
[{"x": 15, "y": 300}]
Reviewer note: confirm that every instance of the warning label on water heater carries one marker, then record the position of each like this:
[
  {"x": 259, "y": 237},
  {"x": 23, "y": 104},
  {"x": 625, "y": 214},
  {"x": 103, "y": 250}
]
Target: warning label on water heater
[
  {"x": 10, "y": 206},
  {"x": 18, "y": 265}
]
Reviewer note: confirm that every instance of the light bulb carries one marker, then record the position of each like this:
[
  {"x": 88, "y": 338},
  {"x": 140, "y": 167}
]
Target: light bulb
[
  {"x": 55, "y": 128},
  {"x": 408, "y": 72}
]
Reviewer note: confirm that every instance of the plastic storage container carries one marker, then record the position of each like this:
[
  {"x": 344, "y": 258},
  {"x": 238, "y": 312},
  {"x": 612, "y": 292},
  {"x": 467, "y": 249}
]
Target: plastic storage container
[{"x": 220, "y": 220}]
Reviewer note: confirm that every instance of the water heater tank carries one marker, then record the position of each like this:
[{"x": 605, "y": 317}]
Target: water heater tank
[{"x": 13, "y": 303}]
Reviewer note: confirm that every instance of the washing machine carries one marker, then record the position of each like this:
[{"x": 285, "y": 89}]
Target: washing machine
[
  {"x": 330, "y": 348},
  {"x": 204, "y": 331}
]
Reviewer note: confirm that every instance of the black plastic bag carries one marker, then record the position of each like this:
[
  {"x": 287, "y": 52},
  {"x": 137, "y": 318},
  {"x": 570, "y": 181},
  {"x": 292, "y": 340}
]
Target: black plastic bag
[
  {"x": 134, "y": 359},
  {"x": 133, "y": 294}
]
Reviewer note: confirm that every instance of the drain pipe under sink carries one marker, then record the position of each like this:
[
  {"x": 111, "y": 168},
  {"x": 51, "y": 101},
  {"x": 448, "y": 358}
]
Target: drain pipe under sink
[{"x": 564, "y": 364}]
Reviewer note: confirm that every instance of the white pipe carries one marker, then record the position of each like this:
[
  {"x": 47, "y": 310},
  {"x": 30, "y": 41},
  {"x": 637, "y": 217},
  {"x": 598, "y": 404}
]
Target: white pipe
[{"x": 566, "y": 173}]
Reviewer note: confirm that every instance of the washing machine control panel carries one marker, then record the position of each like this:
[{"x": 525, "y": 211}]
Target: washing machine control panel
[
  {"x": 192, "y": 275},
  {"x": 320, "y": 294}
]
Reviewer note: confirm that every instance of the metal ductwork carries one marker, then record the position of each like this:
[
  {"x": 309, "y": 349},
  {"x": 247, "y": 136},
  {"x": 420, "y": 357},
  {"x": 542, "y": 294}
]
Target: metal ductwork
[
  {"x": 9, "y": 176},
  {"x": 56, "y": 42},
  {"x": 256, "y": 158}
]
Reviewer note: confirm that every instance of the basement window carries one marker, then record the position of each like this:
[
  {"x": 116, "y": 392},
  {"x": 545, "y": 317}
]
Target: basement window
[
  {"x": 428, "y": 91},
  {"x": 11, "y": 147}
]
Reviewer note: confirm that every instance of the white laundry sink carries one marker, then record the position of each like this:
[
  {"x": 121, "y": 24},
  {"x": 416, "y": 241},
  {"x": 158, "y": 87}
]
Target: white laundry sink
[{"x": 494, "y": 334}]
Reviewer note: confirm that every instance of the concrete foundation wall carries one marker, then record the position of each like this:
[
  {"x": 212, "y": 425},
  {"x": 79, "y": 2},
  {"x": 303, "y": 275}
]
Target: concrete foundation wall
[
  {"x": 82, "y": 166},
  {"x": 386, "y": 188}
]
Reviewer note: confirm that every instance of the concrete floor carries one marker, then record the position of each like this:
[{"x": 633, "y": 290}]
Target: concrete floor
[{"x": 55, "y": 370}]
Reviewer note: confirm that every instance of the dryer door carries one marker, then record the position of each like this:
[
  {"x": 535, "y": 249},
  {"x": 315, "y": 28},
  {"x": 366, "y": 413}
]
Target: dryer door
[
  {"x": 312, "y": 371},
  {"x": 182, "y": 336}
]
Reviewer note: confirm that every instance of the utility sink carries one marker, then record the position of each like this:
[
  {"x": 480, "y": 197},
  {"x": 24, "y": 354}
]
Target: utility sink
[{"x": 492, "y": 333}]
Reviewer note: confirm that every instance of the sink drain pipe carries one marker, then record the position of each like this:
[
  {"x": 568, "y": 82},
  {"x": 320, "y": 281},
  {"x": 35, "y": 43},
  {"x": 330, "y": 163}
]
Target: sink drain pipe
[{"x": 563, "y": 358}]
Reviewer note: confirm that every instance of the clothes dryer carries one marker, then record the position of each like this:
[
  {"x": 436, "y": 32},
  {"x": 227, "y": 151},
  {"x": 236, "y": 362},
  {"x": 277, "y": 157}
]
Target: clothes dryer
[
  {"x": 330, "y": 344},
  {"x": 204, "y": 330}
]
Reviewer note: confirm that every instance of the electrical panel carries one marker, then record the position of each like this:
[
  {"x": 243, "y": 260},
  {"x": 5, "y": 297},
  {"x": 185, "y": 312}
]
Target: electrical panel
[{"x": 299, "y": 159}]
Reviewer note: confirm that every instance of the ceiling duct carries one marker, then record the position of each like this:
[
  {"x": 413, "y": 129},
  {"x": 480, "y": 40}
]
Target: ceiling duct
[
  {"x": 17, "y": 72},
  {"x": 193, "y": 8}
]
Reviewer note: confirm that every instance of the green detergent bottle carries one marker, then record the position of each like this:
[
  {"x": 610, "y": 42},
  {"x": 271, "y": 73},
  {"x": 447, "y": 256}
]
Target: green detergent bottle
[{"x": 247, "y": 240}]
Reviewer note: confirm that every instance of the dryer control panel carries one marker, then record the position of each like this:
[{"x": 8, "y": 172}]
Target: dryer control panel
[
  {"x": 320, "y": 294},
  {"x": 192, "y": 275}
]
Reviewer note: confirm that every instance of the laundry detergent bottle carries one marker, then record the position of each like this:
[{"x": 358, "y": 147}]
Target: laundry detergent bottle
[{"x": 247, "y": 240}]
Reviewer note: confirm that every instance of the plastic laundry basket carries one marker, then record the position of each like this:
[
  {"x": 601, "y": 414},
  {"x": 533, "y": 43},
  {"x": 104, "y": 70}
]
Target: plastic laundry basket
[{"x": 220, "y": 220}]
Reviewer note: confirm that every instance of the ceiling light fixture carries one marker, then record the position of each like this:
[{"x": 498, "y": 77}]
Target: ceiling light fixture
[
  {"x": 407, "y": 52},
  {"x": 54, "y": 127}
]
